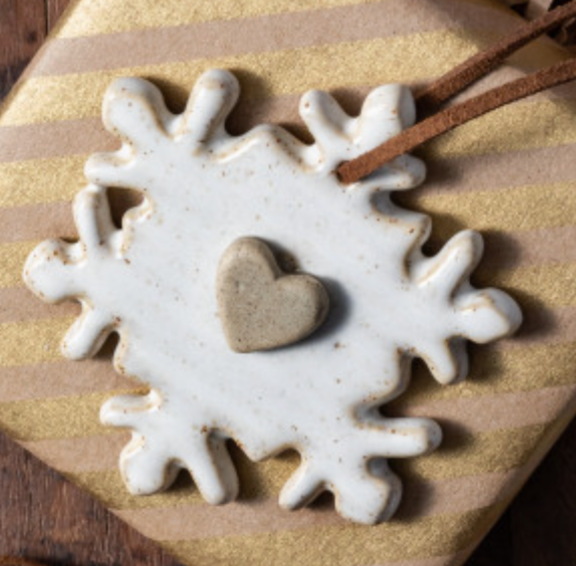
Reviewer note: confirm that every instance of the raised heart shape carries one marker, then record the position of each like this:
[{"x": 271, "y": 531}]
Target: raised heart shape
[{"x": 261, "y": 307}]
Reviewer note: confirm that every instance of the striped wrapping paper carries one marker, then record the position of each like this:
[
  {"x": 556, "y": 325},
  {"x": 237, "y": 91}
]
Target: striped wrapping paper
[{"x": 511, "y": 175}]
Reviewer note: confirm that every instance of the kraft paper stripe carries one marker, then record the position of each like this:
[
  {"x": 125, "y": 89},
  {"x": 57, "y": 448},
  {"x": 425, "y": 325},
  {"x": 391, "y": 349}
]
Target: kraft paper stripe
[
  {"x": 258, "y": 35},
  {"x": 202, "y": 521},
  {"x": 505, "y": 411},
  {"x": 61, "y": 378},
  {"x": 347, "y": 546},
  {"x": 85, "y": 136},
  {"x": 95, "y": 18},
  {"x": 534, "y": 144},
  {"x": 84, "y": 454},
  {"x": 542, "y": 326},
  {"x": 470, "y": 173},
  {"x": 262, "y": 75},
  {"x": 109, "y": 488},
  {"x": 20, "y": 143},
  {"x": 509, "y": 250},
  {"x": 36, "y": 223},
  {"x": 18, "y": 304}
]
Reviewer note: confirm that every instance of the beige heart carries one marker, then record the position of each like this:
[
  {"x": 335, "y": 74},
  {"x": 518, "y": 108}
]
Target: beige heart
[{"x": 261, "y": 307}]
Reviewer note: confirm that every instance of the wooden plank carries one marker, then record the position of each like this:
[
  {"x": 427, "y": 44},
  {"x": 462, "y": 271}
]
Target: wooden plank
[
  {"x": 54, "y": 9},
  {"x": 46, "y": 518},
  {"x": 22, "y": 31},
  {"x": 496, "y": 548},
  {"x": 542, "y": 517}
]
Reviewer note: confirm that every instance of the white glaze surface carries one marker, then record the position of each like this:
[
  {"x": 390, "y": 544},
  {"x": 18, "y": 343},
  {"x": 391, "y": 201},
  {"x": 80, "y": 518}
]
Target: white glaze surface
[{"x": 154, "y": 282}]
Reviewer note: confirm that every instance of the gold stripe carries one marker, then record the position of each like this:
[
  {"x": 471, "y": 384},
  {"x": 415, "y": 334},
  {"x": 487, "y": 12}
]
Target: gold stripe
[
  {"x": 41, "y": 180},
  {"x": 524, "y": 125},
  {"x": 343, "y": 545},
  {"x": 494, "y": 371},
  {"x": 109, "y": 488},
  {"x": 104, "y": 17},
  {"x": 32, "y": 342},
  {"x": 536, "y": 285},
  {"x": 55, "y": 418},
  {"x": 12, "y": 258},
  {"x": 509, "y": 209},
  {"x": 463, "y": 453},
  {"x": 60, "y": 378},
  {"x": 262, "y": 75}
]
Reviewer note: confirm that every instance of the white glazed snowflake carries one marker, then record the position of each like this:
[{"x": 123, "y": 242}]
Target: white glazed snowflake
[{"x": 154, "y": 283}]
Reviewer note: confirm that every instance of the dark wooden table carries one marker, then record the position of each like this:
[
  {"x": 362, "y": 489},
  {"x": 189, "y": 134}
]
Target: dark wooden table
[{"x": 44, "y": 517}]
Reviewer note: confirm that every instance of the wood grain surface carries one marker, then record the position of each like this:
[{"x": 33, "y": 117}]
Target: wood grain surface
[{"x": 47, "y": 519}]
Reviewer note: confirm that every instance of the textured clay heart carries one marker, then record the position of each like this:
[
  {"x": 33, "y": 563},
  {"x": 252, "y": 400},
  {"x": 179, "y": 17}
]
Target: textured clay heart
[{"x": 261, "y": 307}]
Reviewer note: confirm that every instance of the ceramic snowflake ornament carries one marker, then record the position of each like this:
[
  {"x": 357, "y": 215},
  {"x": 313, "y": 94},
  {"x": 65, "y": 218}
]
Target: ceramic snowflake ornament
[{"x": 234, "y": 341}]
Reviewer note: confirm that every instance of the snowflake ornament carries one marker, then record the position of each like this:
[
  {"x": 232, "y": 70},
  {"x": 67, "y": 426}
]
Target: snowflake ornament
[{"x": 201, "y": 265}]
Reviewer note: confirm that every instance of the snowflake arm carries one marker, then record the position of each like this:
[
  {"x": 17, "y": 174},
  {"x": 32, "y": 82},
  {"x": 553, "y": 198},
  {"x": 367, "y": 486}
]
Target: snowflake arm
[
  {"x": 479, "y": 316},
  {"x": 386, "y": 111},
  {"x": 150, "y": 462},
  {"x": 70, "y": 264}
]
